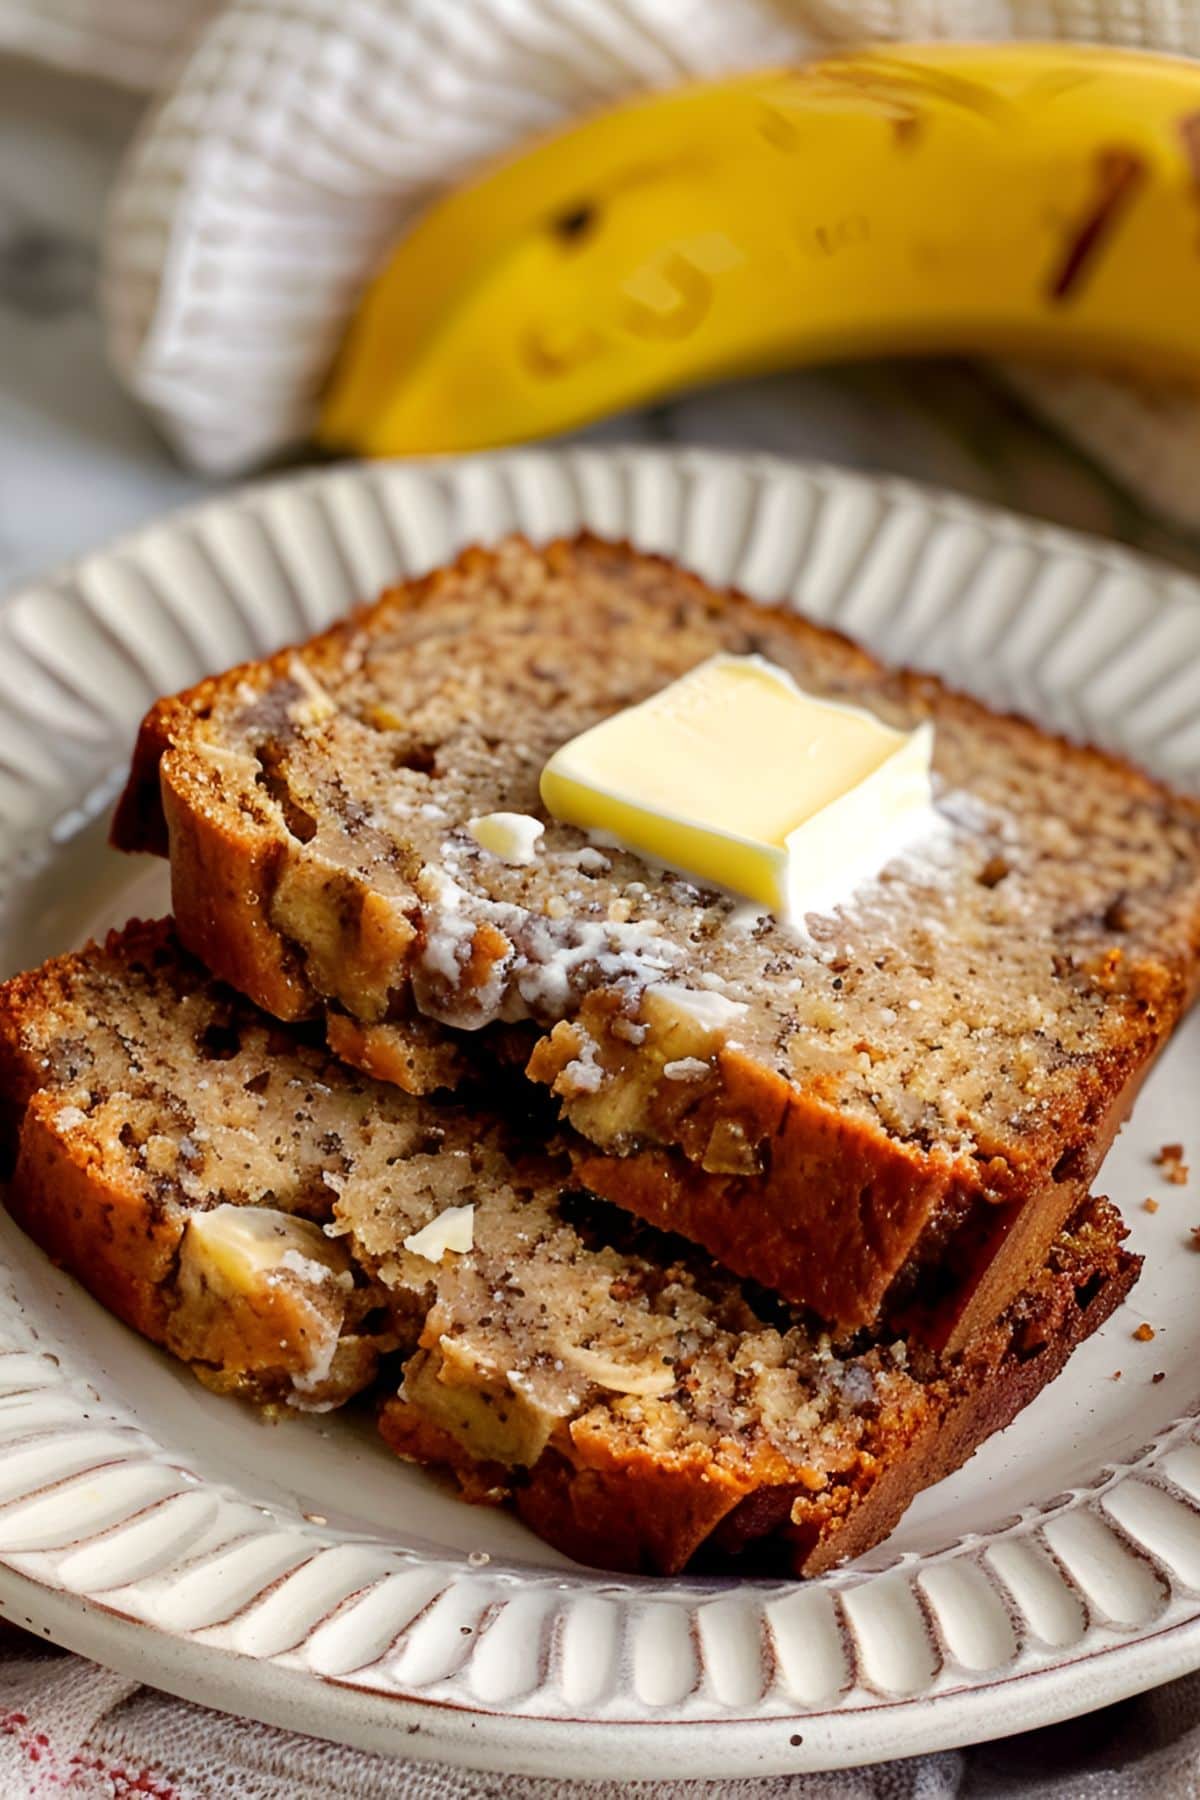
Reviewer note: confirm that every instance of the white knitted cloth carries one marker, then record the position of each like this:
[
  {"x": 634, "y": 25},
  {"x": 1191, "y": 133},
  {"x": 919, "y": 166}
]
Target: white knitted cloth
[
  {"x": 70, "y": 1729},
  {"x": 130, "y": 42}
]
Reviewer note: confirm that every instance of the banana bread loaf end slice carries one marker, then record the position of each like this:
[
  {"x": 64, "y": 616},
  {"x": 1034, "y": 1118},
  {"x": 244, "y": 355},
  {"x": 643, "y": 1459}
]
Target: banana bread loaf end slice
[
  {"x": 167, "y": 1146},
  {"x": 941, "y": 1060}
]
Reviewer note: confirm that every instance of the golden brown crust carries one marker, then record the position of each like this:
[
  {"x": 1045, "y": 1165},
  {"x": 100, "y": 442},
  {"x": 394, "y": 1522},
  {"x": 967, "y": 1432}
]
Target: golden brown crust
[
  {"x": 93, "y": 1224},
  {"x": 997, "y": 1250},
  {"x": 221, "y": 886},
  {"x": 88, "y": 1219},
  {"x": 971, "y": 1415},
  {"x": 836, "y": 1214},
  {"x": 627, "y": 1511},
  {"x": 841, "y": 1209},
  {"x": 410, "y": 1434}
]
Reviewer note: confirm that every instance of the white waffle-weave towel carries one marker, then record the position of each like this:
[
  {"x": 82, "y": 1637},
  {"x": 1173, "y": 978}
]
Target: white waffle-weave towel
[{"x": 71, "y": 1731}]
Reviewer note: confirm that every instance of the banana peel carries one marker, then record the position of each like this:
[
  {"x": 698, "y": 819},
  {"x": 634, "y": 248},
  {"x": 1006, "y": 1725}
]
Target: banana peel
[{"x": 1019, "y": 199}]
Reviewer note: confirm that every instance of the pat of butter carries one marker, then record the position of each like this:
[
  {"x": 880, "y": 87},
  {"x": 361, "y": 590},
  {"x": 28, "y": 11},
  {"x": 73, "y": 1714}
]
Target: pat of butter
[
  {"x": 736, "y": 776},
  {"x": 513, "y": 837}
]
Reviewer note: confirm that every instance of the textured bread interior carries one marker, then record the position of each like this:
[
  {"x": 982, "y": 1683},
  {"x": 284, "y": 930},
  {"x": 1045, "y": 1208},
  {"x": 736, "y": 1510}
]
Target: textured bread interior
[
  {"x": 968, "y": 1026},
  {"x": 139, "y": 1094},
  {"x": 640, "y": 1405},
  {"x": 630, "y": 1398}
]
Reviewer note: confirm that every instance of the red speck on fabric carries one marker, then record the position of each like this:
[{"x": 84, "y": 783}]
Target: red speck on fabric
[{"x": 126, "y": 1784}]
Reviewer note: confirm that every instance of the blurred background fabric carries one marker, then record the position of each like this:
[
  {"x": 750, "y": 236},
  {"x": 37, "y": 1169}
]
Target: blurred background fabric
[
  {"x": 70, "y": 1728},
  {"x": 130, "y": 42}
]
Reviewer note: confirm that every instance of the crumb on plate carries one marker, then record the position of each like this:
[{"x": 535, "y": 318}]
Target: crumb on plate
[{"x": 1170, "y": 1161}]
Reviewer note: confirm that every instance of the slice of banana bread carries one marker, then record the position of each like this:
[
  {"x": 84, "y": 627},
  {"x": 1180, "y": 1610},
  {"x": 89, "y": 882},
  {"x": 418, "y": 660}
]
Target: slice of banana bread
[
  {"x": 643, "y": 1410},
  {"x": 180, "y": 1153},
  {"x": 170, "y": 1146},
  {"x": 941, "y": 1062}
]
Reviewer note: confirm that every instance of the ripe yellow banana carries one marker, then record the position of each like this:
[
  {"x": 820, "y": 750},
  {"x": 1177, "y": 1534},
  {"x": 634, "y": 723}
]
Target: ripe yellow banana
[{"x": 1018, "y": 198}]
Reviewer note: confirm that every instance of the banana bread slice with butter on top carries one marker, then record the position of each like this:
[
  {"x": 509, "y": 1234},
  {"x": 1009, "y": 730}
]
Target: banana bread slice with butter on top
[
  {"x": 640, "y": 1409},
  {"x": 931, "y": 1072}
]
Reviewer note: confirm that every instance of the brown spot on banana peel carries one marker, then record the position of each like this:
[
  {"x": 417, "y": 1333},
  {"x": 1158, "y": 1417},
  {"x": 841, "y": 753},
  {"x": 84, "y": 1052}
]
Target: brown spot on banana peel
[
  {"x": 548, "y": 349},
  {"x": 778, "y": 130},
  {"x": 876, "y": 76},
  {"x": 1120, "y": 173},
  {"x": 1189, "y": 132}
]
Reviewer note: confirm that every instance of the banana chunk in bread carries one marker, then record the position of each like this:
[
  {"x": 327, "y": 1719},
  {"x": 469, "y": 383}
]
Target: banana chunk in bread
[
  {"x": 170, "y": 1148},
  {"x": 188, "y": 1159},
  {"x": 945, "y": 1056}
]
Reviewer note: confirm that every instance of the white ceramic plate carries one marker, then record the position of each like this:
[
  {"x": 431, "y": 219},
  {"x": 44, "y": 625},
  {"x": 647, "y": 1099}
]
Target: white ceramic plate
[{"x": 300, "y": 1574}]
